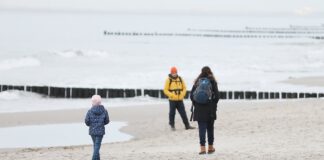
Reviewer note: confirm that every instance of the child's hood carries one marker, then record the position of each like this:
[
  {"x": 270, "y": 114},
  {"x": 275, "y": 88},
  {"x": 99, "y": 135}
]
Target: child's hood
[{"x": 97, "y": 110}]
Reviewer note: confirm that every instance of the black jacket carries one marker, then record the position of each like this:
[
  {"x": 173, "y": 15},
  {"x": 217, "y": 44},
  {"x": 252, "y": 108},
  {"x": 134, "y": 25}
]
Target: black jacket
[{"x": 206, "y": 112}]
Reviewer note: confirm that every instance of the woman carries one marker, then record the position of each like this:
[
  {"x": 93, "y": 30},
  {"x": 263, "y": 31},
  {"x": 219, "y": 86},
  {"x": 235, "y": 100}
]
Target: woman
[
  {"x": 96, "y": 118},
  {"x": 205, "y": 96}
]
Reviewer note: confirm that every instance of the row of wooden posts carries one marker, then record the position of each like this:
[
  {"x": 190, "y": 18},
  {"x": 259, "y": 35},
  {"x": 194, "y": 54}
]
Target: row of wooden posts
[
  {"x": 256, "y": 31},
  {"x": 73, "y": 92},
  {"x": 279, "y": 36}
]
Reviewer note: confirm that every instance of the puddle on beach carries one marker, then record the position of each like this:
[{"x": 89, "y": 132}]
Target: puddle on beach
[{"x": 57, "y": 135}]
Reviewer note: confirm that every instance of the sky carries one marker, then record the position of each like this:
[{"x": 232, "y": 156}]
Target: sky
[{"x": 293, "y": 7}]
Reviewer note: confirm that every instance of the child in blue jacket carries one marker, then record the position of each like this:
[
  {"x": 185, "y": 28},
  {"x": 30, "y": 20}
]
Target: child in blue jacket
[{"x": 97, "y": 117}]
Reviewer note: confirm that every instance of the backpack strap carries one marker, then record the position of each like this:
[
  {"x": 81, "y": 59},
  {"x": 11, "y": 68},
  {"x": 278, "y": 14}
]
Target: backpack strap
[
  {"x": 170, "y": 79},
  {"x": 180, "y": 80},
  {"x": 177, "y": 91},
  {"x": 192, "y": 112}
]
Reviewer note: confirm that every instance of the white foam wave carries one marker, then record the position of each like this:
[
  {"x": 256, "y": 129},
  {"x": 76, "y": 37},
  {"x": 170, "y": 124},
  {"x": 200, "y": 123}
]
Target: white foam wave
[
  {"x": 15, "y": 95},
  {"x": 18, "y": 63},
  {"x": 80, "y": 53}
]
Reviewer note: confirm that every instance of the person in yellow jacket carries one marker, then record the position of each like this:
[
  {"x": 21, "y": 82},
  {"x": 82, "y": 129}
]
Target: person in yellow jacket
[{"x": 175, "y": 89}]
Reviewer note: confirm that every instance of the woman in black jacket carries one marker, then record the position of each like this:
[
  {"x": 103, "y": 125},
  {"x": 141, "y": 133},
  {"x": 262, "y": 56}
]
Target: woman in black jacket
[{"x": 205, "y": 107}]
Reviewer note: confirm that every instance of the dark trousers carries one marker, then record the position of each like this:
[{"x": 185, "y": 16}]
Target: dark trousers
[
  {"x": 96, "y": 147},
  {"x": 177, "y": 105},
  {"x": 206, "y": 127}
]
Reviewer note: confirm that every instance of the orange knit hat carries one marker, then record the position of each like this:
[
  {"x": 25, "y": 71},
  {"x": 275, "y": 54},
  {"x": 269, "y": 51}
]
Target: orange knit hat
[{"x": 174, "y": 70}]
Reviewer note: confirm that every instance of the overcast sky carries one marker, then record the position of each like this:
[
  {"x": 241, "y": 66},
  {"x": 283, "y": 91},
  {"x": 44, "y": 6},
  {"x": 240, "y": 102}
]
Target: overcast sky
[{"x": 295, "y": 7}]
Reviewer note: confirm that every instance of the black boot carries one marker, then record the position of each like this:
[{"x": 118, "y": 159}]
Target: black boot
[
  {"x": 189, "y": 127},
  {"x": 172, "y": 127}
]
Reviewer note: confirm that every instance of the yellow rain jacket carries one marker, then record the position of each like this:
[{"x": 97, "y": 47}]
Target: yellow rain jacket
[{"x": 175, "y": 88}]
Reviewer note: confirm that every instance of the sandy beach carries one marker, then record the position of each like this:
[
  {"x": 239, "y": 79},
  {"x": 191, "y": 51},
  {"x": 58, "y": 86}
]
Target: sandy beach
[
  {"x": 55, "y": 55},
  {"x": 290, "y": 129}
]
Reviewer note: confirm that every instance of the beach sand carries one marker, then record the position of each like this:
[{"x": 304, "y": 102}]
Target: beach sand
[{"x": 282, "y": 129}]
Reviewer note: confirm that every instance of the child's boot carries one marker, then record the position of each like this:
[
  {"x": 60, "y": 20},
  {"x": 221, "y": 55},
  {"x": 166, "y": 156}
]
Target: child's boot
[
  {"x": 211, "y": 149},
  {"x": 202, "y": 150}
]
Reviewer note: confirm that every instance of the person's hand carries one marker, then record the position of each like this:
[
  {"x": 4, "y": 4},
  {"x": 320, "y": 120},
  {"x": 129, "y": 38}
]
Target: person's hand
[
  {"x": 173, "y": 96},
  {"x": 181, "y": 96}
]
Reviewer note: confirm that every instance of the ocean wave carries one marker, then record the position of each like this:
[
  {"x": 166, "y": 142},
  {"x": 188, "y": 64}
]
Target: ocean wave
[
  {"x": 81, "y": 53},
  {"x": 16, "y": 95},
  {"x": 18, "y": 63}
]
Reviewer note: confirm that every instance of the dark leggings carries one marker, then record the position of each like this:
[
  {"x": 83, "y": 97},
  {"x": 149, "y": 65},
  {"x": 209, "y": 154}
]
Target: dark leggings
[
  {"x": 177, "y": 105},
  {"x": 206, "y": 127}
]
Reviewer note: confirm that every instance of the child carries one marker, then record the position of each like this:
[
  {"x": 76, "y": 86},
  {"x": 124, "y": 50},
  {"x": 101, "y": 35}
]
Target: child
[{"x": 96, "y": 118}]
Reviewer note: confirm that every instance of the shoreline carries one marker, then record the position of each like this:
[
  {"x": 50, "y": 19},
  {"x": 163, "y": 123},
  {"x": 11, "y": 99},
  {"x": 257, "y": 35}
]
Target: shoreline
[
  {"x": 315, "y": 81},
  {"x": 45, "y": 117}
]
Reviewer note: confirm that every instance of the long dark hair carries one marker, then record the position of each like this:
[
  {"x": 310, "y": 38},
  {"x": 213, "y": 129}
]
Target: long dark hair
[{"x": 205, "y": 72}]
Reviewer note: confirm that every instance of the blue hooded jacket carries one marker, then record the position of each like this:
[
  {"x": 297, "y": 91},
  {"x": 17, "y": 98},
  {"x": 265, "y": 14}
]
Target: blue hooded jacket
[{"x": 96, "y": 118}]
